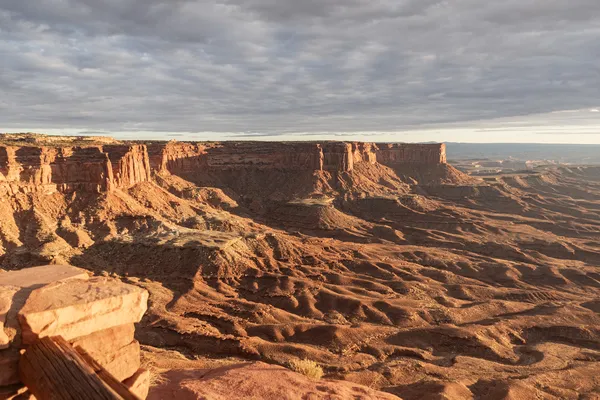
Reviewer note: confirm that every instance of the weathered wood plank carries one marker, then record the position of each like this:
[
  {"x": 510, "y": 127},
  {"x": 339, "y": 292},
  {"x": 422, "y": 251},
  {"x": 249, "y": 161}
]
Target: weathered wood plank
[{"x": 52, "y": 369}]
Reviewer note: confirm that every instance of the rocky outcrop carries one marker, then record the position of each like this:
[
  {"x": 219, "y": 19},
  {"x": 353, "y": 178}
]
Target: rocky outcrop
[
  {"x": 101, "y": 167},
  {"x": 179, "y": 157},
  {"x": 257, "y": 381},
  {"x": 68, "y": 169},
  {"x": 364, "y": 152},
  {"x": 139, "y": 383},
  {"x": 130, "y": 165},
  {"x": 96, "y": 315},
  {"x": 187, "y": 158},
  {"x": 15, "y": 288},
  {"x": 402, "y": 153},
  {"x": 78, "y": 308}
]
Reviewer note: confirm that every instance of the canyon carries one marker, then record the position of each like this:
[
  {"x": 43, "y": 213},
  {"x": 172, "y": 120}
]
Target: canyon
[{"x": 381, "y": 262}]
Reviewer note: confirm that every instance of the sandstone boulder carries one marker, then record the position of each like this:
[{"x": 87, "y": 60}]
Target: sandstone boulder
[
  {"x": 7, "y": 294},
  {"x": 78, "y": 308},
  {"x": 114, "y": 349},
  {"x": 106, "y": 341},
  {"x": 15, "y": 287},
  {"x": 139, "y": 383},
  {"x": 122, "y": 363},
  {"x": 94, "y": 314}
]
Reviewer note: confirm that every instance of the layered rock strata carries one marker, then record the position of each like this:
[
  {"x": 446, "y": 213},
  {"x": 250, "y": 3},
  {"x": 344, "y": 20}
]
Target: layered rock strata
[
  {"x": 67, "y": 169},
  {"x": 105, "y": 167},
  {"x": 403, "y": 153},
  {"x": 179, "y": 157},
  {"x": 94, "y": 314}
]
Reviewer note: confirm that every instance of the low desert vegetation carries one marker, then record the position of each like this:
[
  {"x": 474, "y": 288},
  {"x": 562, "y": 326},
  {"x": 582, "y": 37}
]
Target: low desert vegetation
[
  {"x": 307, "y": 368},
  {"x": 156, "y": 378}
]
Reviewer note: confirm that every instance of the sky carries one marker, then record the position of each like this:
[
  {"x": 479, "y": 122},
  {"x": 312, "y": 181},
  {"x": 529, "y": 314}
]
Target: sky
[{"x": 377, "y": 70}]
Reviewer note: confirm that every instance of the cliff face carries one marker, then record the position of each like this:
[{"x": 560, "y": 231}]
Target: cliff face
[
  {"x": 66, "y": 169},
  {"x": 129, "y": 164},
  {"x": 299, "y": 156},
  {"x": 402, "y": 153},
  {"x": 187, "y": 158},
  {"x": 102, "y": 168}
]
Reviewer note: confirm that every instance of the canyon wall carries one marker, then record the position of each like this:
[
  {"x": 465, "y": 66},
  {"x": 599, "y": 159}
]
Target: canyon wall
[
  {"x": 66, "y": 169},
  {"x": 288, "y": 156},
  {"x": 130, "y": 164},
  {"x": 403, "y": 153},
  {"x": 325, "y": 156},
  {"x": 104, "y": 167}
]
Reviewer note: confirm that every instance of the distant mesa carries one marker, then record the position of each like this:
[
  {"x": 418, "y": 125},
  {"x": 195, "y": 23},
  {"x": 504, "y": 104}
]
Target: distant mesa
[{"x": 33, "y": 162}]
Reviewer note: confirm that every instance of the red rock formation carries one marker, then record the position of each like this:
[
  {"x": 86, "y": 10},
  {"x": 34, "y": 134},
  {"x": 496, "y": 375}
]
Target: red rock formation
[
  {"x": 337, "y": 157},
  {"x": 106, "y": 167},
  {"x": 176, "y": 156},
  {"x": 272, "y": 155},
  {"x": 364, "y": 152},
  {"x": 300, "y": 156},
  {"x": 130, "y": 164},
  {"x": 403, "y": 153},
  {"x": 66, "y": 169},
  {"x": 291, "y": 156},
  {"x": 96, "y": 314},
  {"x": 76, "y": 168}
]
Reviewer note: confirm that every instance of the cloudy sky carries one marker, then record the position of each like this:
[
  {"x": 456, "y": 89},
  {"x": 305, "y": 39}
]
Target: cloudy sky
[{"x": 406, "y": 70}]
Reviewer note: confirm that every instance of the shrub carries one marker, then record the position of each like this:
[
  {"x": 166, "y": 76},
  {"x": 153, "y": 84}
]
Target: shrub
[{"x": 307, "y": 368}]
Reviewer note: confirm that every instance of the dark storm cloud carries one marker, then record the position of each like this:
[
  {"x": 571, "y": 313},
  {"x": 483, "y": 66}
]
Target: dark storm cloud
[{"x": 277, "y": 66}]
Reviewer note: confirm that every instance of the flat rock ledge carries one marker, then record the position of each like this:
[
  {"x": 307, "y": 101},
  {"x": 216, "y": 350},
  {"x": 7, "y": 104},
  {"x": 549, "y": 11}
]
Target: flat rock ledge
[{"x": 96, "y": 314}]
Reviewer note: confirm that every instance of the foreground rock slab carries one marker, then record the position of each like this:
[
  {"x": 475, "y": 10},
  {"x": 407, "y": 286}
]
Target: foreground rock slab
[
  {"x": 123, "y": 363},
  {"x": 114, "y": 349},
  {"x": 79, "y": 308},
  {"x": 257, "y": 381},
  {"x": 101, "y": 343},
  {"x": 15, "y": 287}
]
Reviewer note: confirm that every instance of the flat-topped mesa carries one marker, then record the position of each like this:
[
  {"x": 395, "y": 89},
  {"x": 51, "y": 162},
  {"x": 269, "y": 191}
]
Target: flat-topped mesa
[
  {"x": 67, "y": 169},
  {"x": 187, "y": 158},
  {"x": 103, "y": 167},
  {"x": 403, "y": 153},
  {"x": 179, "y": 157}
]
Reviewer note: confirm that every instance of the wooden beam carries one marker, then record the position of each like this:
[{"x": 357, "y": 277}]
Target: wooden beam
[{"x": 51, "y": 369}]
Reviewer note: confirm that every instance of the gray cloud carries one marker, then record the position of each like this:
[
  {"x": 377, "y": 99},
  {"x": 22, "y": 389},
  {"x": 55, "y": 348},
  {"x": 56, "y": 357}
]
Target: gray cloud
[{"x": 280, "y": 66}]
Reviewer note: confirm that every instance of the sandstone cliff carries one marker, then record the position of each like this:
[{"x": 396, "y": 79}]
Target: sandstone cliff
[
  {"x": 402, "y": 153},
  {"x": 66, "y": 169},
  {"x": 299, "y": 156},
  {"x": 100, "y": 167}
]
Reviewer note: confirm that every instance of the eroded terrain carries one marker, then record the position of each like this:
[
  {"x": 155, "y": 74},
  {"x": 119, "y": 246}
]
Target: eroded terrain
[{"x": 382, "y": 263}]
